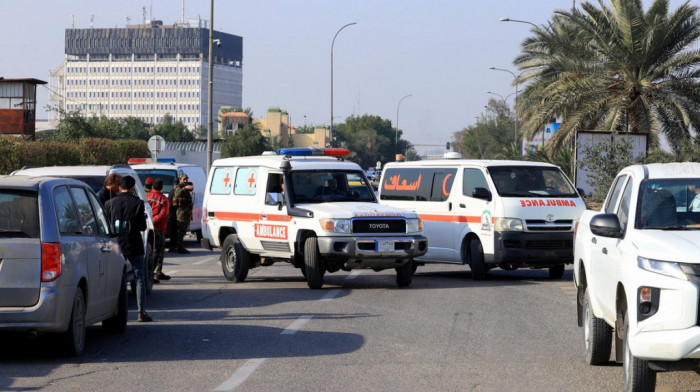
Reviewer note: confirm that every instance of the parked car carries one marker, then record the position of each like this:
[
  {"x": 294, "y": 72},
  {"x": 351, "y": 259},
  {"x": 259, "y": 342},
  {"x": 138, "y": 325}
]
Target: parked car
[
  {"x": 94, "y": 176},
  {"x": 638, "y": 274},
  {"x": 60, "y": 266}
]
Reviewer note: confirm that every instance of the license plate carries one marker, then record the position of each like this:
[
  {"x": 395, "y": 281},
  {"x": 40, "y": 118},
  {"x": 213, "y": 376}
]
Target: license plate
[{"x": 385, "y": 246}]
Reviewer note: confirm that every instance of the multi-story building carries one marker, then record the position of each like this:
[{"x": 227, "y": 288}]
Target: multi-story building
[{"x": 147, "y": 71}]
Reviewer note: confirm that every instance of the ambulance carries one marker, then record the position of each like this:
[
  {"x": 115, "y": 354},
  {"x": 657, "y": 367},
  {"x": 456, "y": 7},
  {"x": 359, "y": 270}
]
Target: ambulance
[
  {"x": 308, "y": 207},
  {"x": 488, "y": 213}
]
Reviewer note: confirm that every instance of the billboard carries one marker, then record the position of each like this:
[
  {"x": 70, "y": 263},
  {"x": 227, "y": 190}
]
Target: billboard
[{"x": 540, "y": 140}]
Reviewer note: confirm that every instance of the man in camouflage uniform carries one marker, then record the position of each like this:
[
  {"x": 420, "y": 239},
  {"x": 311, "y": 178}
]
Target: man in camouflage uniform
[{"x": 182, "y": 199}]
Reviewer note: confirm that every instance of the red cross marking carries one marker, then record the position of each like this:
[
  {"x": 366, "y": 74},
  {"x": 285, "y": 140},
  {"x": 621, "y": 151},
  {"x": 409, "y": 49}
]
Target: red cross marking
[
  {"x": 227, "y": 179},
  {"x": 251, "y": 180}
]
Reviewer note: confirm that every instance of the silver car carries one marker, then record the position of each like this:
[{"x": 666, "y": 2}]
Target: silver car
[{"x": 60, "y": 267}]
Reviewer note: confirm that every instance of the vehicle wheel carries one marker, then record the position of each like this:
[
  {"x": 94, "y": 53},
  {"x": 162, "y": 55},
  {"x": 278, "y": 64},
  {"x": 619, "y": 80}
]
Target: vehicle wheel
[
  {"x": 556, "y": 272},
  {"x": 476, "y": 260},
  {"x": 637, "y": 375},
  {"x": 597, "y": 335},
  {"x": 235, "y": 260},
  {"x": 404, "y": 274},
  {"x": 313, "y": 264},
  {"x": 74, "y": 337},
  {"x": 149, "y": 263},
  {"x": 117, "y": 323}
]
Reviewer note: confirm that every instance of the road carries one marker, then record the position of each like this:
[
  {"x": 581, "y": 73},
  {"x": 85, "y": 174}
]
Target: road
[{"x": 515, "y": 331}]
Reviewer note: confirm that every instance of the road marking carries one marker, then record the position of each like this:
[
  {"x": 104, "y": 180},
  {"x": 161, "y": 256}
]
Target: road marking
[
  {"x": 330, "y": 295},
  {"x": 241, "y": 375},
  {"x": 296, "y": 325},
  {"x": 205, "y": 260},
  {"x": 353, "y": 275}
]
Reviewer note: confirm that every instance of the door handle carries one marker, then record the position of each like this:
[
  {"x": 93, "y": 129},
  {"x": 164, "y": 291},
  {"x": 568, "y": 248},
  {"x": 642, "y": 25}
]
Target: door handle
[
  {"x": 461, "y": 205},
  {"x": 605, "y": 251},
  {"x": 449, "y": 206},
  {"x": 264, "y": 217},
  {"x": 106, "y": 248},
  {"x": 594, "y": 240}
]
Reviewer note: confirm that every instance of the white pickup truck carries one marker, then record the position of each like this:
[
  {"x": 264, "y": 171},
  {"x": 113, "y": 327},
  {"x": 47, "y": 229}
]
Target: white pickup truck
[{"x": 637, "y": 270}]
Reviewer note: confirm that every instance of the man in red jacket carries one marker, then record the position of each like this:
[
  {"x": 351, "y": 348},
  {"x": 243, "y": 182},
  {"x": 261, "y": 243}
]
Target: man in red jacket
[{"x": 161, "y": 209}]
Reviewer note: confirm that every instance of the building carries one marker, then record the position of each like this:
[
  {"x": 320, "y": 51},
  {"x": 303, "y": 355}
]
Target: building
[
  {"x": 147, "y": 71},
  {"x": 18, "y": 107},
  {"x": 276, "y": 127}
]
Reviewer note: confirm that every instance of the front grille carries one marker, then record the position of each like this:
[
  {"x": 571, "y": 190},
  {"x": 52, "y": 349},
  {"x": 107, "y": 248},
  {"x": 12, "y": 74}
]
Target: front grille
[
  {"x": 278, "y": 246},
  {"x": 549, "y": 244},
  {"x": 543, "y": 225},
  {"x": 379, "y": 226}
]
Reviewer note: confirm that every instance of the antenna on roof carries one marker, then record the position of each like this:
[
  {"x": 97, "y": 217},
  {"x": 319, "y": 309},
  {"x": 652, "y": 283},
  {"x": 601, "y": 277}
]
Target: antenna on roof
[
  {"x": 72, "y": 21},
  {"x": 182, "y": 18},
  {"x": 92, "y": 20},
  {"x": 144, "y": 14}
]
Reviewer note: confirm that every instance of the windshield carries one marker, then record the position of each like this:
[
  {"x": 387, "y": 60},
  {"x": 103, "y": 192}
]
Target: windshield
[
  {"x": 324, "y": 186},
  {"x": 20, "y": 214},
  {"x": 167, "y": 176},
  {"x": 670, "y": 204},
  {"x": 531, "y": 181}
]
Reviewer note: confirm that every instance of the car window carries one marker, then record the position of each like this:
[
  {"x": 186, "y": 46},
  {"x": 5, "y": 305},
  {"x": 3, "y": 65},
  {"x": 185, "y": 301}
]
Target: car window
[
  {"x": 221, "y": 181},
  {"x": 66, "y": 213},
  {"x": 623, "y": 212},
  {"x": 88, "y": 223},
  {"x": 102, "y": 223},
  {"x": 19, "y": 214},
  {"x": 473, "y": 178},
  {"x": 167, "y": 176},
  {"x": 611, "y": 201}
]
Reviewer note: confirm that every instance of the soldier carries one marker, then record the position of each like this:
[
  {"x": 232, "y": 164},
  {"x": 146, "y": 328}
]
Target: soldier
[{"x": 182, "y": 199}]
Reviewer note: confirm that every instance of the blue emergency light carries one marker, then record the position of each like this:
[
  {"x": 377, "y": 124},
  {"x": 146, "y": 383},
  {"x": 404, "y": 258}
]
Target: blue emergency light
[
  {"x": 313, "y": 151},
  {"x": 134, "y": 161}
]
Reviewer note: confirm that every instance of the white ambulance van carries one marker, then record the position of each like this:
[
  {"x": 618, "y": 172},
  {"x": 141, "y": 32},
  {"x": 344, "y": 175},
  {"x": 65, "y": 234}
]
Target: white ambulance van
[
  {"x": 167, "y": 169},
  {"x": 317, "y": 212},
  {"x": 488, "y": 213}
]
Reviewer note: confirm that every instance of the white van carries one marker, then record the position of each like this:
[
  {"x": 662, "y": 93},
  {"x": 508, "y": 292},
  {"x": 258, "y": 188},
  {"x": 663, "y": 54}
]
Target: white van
[
  {"x": 488, "y": 213},
  {"x": 168, "y": 170}
]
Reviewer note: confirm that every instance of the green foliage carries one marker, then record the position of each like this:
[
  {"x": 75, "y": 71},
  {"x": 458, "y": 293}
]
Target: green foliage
[
  {"x": 615, "y": 68},
  {"x": 602, "y": 161},
  {"x": 562, "y": 157},
  {"x": 173, "y": 131},
  {"x": 491, "y": 137},
  {"x": 75, "y": 126},
  {"x": 246, "y": 141},
  {"x": 370, "y": 139}
]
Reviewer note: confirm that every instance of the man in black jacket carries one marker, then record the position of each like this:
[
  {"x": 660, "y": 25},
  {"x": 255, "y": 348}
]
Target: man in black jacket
[{"x": 126, "y": 206}]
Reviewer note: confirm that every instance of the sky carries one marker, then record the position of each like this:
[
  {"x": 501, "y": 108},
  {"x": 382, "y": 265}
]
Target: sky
[{"x": 438, "y": 52}]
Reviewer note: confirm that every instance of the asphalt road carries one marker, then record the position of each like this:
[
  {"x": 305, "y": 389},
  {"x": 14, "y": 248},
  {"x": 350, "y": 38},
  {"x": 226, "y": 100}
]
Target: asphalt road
[{"x": 515, "y": 331}]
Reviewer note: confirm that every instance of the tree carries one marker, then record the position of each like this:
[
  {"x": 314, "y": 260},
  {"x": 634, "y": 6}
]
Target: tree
[
  {"x": 603, "y": 160},
  {"x": 245, "y": 142},
  {"x": 491, "y": 137},
  {"x": 173, "y": 131},
  {"x": 370, "y": 139},
  {"x": 617, "y": 69}
]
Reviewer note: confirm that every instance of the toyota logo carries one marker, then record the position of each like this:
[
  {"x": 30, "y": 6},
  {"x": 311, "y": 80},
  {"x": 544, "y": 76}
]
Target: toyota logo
[{"x": 550, "y": 218}]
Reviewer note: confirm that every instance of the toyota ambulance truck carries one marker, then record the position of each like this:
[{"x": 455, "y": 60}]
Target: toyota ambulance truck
[{"x": 488, "y": 213}]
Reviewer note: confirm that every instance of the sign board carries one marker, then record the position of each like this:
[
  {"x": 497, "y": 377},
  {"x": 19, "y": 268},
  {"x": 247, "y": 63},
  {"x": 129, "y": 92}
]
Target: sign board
[
  {"x": 156, "y": 144},
  {"x": 540, "y": 139}
]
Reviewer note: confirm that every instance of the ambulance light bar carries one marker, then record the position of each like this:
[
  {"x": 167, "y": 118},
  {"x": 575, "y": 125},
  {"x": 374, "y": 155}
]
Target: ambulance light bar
[
  {"x": 313, "y": 151},
  {"x": 134, "y": 161}
]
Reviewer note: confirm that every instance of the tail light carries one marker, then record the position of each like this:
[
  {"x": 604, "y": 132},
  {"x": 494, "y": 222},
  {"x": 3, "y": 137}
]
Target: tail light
[{"x": 50, "y": 261}]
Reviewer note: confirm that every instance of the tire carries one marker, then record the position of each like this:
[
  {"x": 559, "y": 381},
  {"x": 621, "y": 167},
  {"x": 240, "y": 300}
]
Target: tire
[
  {"x": 476, "y": 260},
  {"x": 636, "y": 374},
  {"x": 313, "y": 263},
  {"x": 235, "y": 260},
  {"x": 556, "y": 272},
  {"x": 404, "y": 274},
  {"x": 117, "y": 323},
  {"x": 597, "y": 335},
  {"x": 149, "y": 263},
  {"x": 74, "y": 337}
]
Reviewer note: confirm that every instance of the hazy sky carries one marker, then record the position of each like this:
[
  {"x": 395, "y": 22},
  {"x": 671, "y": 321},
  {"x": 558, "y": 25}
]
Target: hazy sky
[{"x": 439, "y": 51}]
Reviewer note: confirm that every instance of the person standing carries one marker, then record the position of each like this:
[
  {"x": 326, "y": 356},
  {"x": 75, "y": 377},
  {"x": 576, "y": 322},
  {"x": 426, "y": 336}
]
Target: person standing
[
  {"x": 183, "y": 201},
  {"x": 110, "y": 188},
  {"x": 161, "y": 210},
  {"x": 172, "y": 218},
  {"x": 127, "y": 207}
]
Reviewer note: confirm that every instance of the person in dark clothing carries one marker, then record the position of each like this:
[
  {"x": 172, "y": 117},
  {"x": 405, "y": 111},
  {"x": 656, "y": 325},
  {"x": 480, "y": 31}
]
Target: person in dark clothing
[
  {"x": 172, "y": 219},
  {"x": 110, "y": 188},
  {"x": 126, "y": 206}
]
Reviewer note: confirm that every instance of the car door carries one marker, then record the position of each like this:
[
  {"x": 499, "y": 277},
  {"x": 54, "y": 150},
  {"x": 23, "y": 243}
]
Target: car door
[
  {"x": 272, "y": 230},
  {"x": 474, "y": 215},
  {"x": 113, "y": 259},
  {"x": 96, "y": 261}
]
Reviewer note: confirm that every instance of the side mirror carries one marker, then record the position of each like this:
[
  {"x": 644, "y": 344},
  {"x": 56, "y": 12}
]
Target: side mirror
[
  {"x": 482, "y": 193},
  {"x": 606, "y": 225}
]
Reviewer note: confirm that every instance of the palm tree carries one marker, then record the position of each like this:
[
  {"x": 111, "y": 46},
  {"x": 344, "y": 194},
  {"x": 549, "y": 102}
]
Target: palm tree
[{"x": 617, "y": 69}]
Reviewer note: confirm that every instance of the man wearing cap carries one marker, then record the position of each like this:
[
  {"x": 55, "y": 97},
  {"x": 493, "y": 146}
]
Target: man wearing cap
[
  {"x": 148, "y": 184},
  {"x": 182, "y": 199},
  {"x": 160, "y": 206}
]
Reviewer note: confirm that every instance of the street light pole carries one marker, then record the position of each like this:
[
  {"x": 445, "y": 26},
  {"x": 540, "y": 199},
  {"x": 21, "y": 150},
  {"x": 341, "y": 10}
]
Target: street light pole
[
  {"x": 396, "y": 143},
  {"x": 332, "y": 44},
  {"x": 515, "y": 104},
  {"x": 210, "y": 93}
]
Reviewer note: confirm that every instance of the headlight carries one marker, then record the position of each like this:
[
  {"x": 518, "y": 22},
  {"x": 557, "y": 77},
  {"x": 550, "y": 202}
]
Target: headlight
[
  {"x": 414, "y": 225},
  {"x": 337, "y": 225},
  {"x": 509, "y": 224},
  {"x": 661, "y": 267}
]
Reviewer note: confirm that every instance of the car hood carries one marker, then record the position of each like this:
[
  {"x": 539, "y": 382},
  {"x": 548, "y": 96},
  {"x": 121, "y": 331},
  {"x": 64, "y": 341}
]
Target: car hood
[
  {"x": 666, "y": 245},
  {"x": 346, "y": 210}
]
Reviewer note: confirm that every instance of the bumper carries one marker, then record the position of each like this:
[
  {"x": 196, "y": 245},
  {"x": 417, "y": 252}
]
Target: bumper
[
  {"x": 526, "y": 249},
  {"x": 50, "y": 314},
  {"x": 373, "y": 252},
  {"x": 667, "y": 345}
]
